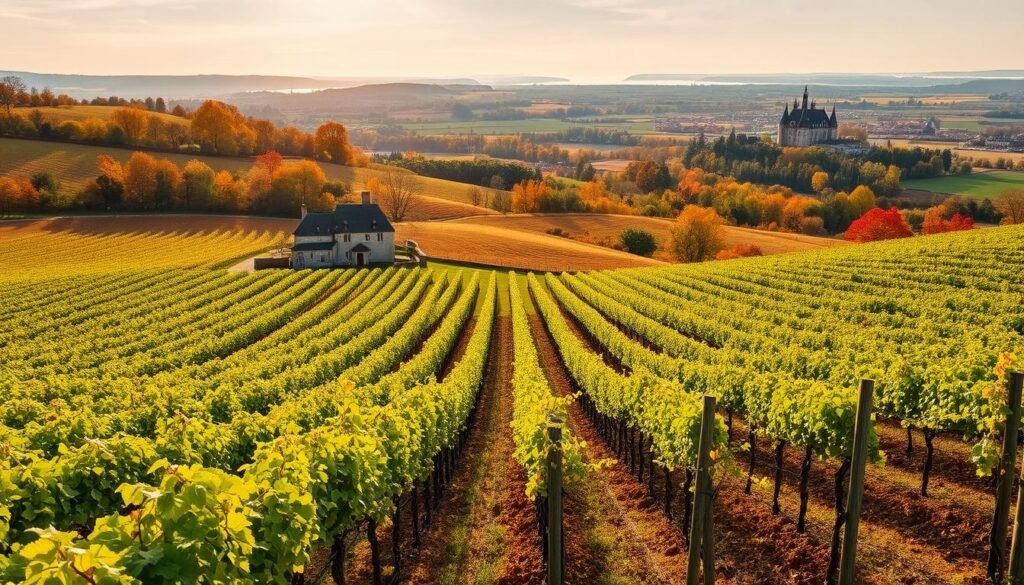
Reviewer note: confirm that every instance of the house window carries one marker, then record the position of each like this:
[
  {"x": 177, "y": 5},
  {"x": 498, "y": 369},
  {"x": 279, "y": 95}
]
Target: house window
[
  {"x": 367, "y": 237},
  {"x": 348, "y": 237},
  {"x": 380, "y": 237}
]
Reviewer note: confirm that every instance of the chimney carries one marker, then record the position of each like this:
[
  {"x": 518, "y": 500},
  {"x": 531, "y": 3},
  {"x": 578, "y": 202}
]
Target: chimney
[
  {"x": 303, "y": 211},
  {"x": 366, "y": 197}
]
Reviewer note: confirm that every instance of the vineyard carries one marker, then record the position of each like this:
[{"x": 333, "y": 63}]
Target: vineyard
[{"x": 165, "y": 420}]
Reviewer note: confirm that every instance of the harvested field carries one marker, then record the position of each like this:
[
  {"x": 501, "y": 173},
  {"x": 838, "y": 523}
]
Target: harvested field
[
  {"x": 512, "y": 248},
  {"x": 601, "y": 226}
]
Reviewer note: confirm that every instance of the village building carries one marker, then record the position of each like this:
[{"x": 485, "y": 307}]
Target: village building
[
  {"x": 354, "y": 234},
  {"x": 807, "y": 125}
]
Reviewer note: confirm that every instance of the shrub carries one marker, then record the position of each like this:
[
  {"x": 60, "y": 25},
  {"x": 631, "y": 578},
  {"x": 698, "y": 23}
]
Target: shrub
[
  {"x": 638, "y": 241},
  {"x": 739, "y": 251}
]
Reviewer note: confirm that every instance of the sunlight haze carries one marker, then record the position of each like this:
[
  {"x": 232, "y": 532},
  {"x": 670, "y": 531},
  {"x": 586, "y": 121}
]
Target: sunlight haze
[{"x": 586, "y": 41}]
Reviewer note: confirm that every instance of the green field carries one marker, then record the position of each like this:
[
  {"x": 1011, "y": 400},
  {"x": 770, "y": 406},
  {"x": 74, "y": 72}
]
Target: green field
[
  {"x": 521, "y": 126},
  {"x": 980, "y": 185},
  {"x": 75, "y": 166}
]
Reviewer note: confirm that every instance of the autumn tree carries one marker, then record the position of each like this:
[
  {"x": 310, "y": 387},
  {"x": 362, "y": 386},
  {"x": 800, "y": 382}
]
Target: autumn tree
[
  {"x": 739, "y": 251},
  {"x": 269, "y": 161},
  {"x": 161, "y": 105},
  {"x": 1010, "y": 204},
  {"x": 331, "y": 142},
  {"x": 140, "y": 180},
  {"x": 197, "y": 185},
  {"x": 528, "y": 196},
  {"x": 214, "y": 126},
  {"x": 295, "y": 184},
  {"x": 477, "y": 196},
  {"x": 819, "y": 181},
  {"x": 11, "y": 87},
  {"x": 168, "y": 184},
  {"x": 698, "y": 235},
  {"x": 228, "y": 193},
  {"x": 941, "y": 219},
  {"x": 10, "y": 193},
  {"x": 133, "y": 121},
  {"x": 110, "y": 182},
  {"x": 396, "y": 192},
  {"x": 862, "y": 199},
  {"x": 878, "y": 224}
]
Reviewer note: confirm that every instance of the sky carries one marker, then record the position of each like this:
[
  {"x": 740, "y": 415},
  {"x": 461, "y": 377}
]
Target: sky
[{"x": 587, "y": 41}]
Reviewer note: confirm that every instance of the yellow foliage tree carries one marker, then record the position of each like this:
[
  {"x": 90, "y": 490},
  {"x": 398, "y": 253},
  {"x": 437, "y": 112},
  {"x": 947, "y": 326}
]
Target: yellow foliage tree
[
  {"x": 698, "y": 234},
  {"x": 528, "y": 196},
  {"x": 862, "y": 200},
  {"x": 819, "y": 181},
  {"x": 133, "y": 121}
]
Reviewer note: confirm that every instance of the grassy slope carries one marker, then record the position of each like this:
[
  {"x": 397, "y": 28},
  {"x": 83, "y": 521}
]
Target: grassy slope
[
  {"x": 980, "y": 185},
  {"x": 79, "y": 113},
  {"x": 75, "y": 166},
  {"x": 610, "y": 226}
]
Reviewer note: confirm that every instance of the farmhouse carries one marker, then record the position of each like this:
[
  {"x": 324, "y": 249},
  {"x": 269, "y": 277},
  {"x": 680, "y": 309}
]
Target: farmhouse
[
  {"x": 807, "y": 125},
  {"x": 354, "y": 234}
]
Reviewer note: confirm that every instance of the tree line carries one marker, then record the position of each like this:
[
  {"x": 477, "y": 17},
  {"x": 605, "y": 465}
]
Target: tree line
[
  {"x": 482, "y": 172},
  {"x": 749, "y": 158}
]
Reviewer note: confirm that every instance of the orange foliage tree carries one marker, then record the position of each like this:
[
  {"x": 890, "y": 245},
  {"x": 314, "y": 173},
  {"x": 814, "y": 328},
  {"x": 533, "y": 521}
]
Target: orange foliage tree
[
  {"x": 528, "y": 196},
  {"x": 878, "y": 224},
  {"x": 331, "y": 142},
  {"x": 739, "y": 251},
  {"x": 936, "y": 222}
]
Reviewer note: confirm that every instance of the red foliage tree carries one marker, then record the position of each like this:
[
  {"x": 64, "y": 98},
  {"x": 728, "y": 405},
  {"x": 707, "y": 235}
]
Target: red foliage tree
[
  {"x": 269, "y": 161},
  {"x": 935, "y": 223},
  {"x": 878, "y": 224}
]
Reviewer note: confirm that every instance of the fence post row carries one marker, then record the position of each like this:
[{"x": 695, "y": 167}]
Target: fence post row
[
  {"x": 1016, "y": 573},
  {"x": 555, "y": 549},
  {"x": 855, "y": 493},
  {"x": 701, "y": 528}
]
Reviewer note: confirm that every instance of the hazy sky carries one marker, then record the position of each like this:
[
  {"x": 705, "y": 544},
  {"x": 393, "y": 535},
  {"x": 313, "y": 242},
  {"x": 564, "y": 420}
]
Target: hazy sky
[{"x": 585, "y": 40}]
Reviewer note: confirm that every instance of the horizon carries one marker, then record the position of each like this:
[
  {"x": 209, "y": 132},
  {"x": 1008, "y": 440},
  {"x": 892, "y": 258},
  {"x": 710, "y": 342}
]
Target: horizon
[{"x": 585, "y": 41}]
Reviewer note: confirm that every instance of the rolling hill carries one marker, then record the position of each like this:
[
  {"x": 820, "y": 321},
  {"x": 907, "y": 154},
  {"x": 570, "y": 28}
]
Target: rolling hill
[
  {"x": 75, "y": 166},
  {"x": 598, "y": 227}
]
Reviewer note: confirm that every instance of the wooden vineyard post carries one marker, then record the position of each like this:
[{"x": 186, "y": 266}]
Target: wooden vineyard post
[
  {"x": 1017, "y": 547},
  {"x": 855, "y": 495},
  {"x": 554, "y": 511},
  {"x": 701, "y": 540},
  {"x": 1004, "y": 493}
]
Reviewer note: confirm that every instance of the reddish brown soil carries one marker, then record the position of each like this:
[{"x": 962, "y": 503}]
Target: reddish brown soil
[
  {"x": 951, "y": 461},
  {"x": 936, "y": 534},
  {"x": 649, "y": 541},
  {"x": 499, "y": 491},
  {"x": 747, "y": 534}
]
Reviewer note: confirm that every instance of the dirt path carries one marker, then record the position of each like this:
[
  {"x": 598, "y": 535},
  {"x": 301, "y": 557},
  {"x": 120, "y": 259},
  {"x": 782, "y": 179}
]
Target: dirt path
[
  {"x": 485, "y": 531},
  {"x": 614, "y": 532}
]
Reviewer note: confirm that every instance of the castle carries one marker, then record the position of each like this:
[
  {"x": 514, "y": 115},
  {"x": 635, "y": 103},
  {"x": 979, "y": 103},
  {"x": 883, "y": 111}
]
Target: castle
[{"x": 807, "y": 125}]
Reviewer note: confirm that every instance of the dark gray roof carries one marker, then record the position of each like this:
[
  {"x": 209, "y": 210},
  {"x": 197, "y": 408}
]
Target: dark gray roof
[
  {"x": 313, "y": 246},
  {"x": 808, "y": 118},
  {"x": 360, "y": 248},
  {"x": 346, "y": 218}
]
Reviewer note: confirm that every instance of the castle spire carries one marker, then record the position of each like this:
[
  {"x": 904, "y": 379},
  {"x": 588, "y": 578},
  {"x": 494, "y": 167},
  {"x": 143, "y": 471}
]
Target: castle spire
[
  {"x": 805, "y": 97},
  {"x": 785, "y": 114}
]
